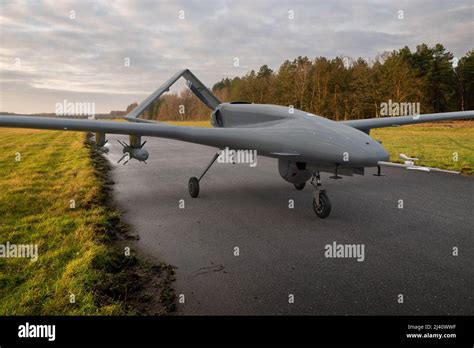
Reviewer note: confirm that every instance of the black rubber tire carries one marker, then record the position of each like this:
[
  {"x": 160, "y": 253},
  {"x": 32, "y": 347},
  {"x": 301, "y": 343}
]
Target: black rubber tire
[
  {"x": 299, "y": 187},
  {"x": 193, "y": 187},
  {"x": 324, "y": 208}
]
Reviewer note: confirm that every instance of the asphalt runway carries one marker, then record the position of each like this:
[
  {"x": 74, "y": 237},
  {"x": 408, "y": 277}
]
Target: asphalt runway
[{"x": 407, "y": 251}]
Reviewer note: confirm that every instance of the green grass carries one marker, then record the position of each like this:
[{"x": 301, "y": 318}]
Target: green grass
[
  {"x": 433, "y": 144},
  {"x": 206, "y": 124},
  {"x": 75, "y": 255}
]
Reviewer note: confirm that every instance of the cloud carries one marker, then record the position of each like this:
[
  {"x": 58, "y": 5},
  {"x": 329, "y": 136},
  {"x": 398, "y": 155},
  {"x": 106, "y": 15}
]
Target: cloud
[{"x": 77, "y": 49}]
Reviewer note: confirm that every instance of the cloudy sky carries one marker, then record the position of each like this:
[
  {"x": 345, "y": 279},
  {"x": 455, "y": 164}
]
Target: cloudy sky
[{"x": 78, "y": 50}]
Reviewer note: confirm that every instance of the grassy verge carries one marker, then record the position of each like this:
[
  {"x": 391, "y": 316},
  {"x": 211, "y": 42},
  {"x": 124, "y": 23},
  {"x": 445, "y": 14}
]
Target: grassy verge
[
  {"x": 434, "y": 144},
  {"x": 53, "y": 193},
  {"x": 191, "y": 123}
]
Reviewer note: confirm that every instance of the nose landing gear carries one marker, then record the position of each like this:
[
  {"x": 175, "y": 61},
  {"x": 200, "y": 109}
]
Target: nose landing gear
[{"x": 321, "y": 202}]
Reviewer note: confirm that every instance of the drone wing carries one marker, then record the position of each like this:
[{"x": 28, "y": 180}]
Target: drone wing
[
  {"x": 206, "y": 136},
  {"x": 367, "y": 124}
]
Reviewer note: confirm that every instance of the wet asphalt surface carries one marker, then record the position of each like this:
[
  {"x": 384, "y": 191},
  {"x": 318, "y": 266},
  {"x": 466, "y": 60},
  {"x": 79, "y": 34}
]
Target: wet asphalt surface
[{"x": 407, "y": 251}]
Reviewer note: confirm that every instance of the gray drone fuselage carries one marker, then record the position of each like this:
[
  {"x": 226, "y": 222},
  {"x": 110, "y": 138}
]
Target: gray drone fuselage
[{"x": 297, "y": 136}]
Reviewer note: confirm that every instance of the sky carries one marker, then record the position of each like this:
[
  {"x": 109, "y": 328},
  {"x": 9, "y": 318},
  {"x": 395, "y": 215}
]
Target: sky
[{"x": 114, "y": 53}]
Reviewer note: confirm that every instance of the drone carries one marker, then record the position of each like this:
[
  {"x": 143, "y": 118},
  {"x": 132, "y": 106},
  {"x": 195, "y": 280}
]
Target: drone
[{"x": 303, "y": 143}]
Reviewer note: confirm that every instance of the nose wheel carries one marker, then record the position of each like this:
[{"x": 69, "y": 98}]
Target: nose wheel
[
  {"x": 322, "y": 205},
  {"x": 321, "y": 202}
]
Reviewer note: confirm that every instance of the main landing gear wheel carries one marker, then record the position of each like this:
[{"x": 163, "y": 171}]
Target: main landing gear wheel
[
  {"x": 322, "y": 208},
  {"x": 299, "y": 187},
  {"x": 193, "y": 183},
  {"x": 193, "y": 186}
]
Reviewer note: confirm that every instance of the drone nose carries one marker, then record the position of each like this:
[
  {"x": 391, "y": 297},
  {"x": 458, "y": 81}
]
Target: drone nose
[
  {"x": 383, "y": 155},
  {"x": 368, "y": 154},
  {"x": 377, "y": 153},
  {"x": 359, "y": 149}
]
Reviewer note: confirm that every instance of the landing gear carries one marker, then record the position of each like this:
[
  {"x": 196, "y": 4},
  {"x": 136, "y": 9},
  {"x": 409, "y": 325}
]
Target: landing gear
[
  {"x": 193, "y": 183},
  {"x": 322, "y": 206},
  {"x": 193, "y": 186},
  {"x": 321, "y": 202},
  {"x": 299, "y": 187}
]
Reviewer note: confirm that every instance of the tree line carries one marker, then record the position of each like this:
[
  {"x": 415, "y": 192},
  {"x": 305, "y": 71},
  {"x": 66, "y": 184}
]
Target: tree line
[{"x": 342, "y": 88}]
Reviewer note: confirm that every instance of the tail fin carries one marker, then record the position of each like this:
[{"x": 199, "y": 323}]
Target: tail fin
[{"x": 196, "y": 86}]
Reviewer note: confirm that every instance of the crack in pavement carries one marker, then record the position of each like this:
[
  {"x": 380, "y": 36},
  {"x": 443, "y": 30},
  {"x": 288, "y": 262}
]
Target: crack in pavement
[{"x": 206, "y": 270}]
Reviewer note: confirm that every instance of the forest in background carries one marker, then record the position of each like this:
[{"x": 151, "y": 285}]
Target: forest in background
[{"x": 342, "y": 88}]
